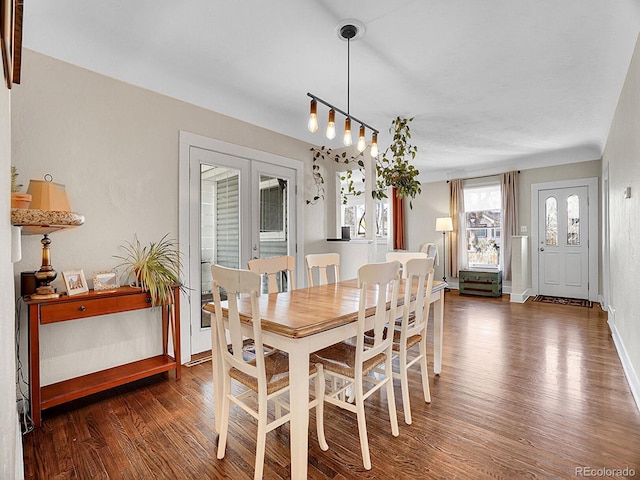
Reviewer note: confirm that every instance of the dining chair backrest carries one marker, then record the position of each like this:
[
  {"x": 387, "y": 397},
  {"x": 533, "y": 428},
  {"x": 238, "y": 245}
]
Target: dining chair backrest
[
  {"x": 417, "y": 297},
  {"x": 404, "y": 257},
  {"x": 384, "y": 277},
  {"x": 323, "y": 262},
  {"x": 274, "y": 267},
  {"x": 431, "y": 249},
  {"x": 234, "y": 283}
]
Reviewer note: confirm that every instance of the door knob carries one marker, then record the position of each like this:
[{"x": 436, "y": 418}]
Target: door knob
[{"x": 542, "y": 249}]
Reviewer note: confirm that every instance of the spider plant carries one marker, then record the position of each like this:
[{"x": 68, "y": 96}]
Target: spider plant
[{"x": 155, "y": 267}]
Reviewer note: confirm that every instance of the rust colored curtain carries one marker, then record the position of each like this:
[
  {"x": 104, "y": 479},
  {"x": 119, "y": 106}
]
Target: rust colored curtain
[{"x": 398, "y": 221}]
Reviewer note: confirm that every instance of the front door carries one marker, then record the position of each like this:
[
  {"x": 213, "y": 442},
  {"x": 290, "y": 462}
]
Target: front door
[{"x": 563, "y": 242}]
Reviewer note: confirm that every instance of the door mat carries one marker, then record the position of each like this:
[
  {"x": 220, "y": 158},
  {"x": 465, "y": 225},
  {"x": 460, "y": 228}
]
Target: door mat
[{"x": 574, "y": 302}]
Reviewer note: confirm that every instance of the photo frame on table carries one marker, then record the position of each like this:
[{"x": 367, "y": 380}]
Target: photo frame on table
[
  {"x": 106, "y": 280},
  {"x": 11, "y": 39},
  {"x": 75, "y": 282}
]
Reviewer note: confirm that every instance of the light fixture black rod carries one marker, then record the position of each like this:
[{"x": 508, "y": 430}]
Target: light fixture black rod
[
  {"x": 318, "y": 99},
  {"x": 348, "y": 72}
]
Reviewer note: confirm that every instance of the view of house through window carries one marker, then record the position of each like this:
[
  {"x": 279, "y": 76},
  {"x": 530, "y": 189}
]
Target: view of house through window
[
  {"x": 352, "y": 207},
  {"x": 483, "y": 212}
]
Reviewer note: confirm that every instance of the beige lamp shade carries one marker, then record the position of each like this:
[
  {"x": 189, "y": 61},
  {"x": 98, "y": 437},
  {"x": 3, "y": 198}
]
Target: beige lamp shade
[
  {"x": 48, "y": 196},
  {"x": 444, "y": 224}
]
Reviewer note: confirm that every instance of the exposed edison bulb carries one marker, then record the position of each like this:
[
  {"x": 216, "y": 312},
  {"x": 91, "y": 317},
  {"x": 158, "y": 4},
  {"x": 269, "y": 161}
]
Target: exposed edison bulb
[
  {"x": 362, "y": 143},
  {"x": 331, "y": 124},
  {"x": 313, "y": 117},
  {"x": 374, "y": 145},
  {"x": 347, "y": 133}
]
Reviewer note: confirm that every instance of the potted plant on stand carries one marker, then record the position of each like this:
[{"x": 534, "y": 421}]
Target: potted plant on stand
[
  {"x": 18, "y": 200},
  {"x": 155, "y": 268}
]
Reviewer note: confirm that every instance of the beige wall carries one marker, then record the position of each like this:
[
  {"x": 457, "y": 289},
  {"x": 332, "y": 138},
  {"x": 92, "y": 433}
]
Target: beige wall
[
  {"x": 622, "y": 157},
  {"x": 10, "y": 438},
  {"x": 115, "y": 147}
]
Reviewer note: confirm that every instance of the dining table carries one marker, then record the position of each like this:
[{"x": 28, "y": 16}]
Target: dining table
[{"x": 301, "y": 322}]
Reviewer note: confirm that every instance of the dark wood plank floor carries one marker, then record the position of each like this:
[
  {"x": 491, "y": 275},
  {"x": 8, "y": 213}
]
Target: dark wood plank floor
[{"x": 526, "y": 391}]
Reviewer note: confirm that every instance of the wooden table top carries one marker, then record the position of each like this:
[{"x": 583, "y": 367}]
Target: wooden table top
[{"x": 306, "y": 311}]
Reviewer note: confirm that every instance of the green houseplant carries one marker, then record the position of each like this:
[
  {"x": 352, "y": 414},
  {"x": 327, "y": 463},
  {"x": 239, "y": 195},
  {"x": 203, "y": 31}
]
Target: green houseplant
[
  {"x": 155, "y": 267},
  {"x": 18, "y": 200},
  {"x": 394, "y": 169}
]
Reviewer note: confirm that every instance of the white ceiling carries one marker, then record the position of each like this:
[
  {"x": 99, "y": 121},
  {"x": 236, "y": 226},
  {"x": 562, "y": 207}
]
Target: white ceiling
[{"x": 493, "y": 84}]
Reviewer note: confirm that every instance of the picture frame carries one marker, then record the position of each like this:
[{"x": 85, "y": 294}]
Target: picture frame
[
  {"x": 75, "y": 282},
  {"x": 106, "y": 280},
  {"x": 11, "y": 13}
]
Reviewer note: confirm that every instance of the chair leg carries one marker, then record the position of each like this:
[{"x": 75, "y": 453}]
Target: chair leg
[
  {"x": 424, "y": 370},
  {"x": 404, "y": 384},
  {"x": 262, "y": 437},
  {"x": 224, "y": 421},
  {"x": 391, "y": 399},
  {"x": 362, "y": 426},
  {"x": 319, "y": 392}
]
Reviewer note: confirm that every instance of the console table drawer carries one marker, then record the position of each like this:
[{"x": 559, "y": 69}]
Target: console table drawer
[
  {"x": 77, "y": 309},
  {"x": 134, "y": 302}
]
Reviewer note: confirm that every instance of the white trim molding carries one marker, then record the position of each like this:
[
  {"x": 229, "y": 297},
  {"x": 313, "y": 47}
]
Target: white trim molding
[{"x": 627, "y": 366}]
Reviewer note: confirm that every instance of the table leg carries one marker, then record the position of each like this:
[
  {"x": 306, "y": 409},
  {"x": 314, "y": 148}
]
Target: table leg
[
  {"x": 299, "y": 398},
  {"x": 438, "y": 320}
]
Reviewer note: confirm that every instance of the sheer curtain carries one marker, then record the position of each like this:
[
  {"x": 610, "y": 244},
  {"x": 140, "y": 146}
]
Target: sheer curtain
[
  {"x": 398, "y": 220},
  {"x": 509, "y": 183},
  {"x": 457, "y": 243}
]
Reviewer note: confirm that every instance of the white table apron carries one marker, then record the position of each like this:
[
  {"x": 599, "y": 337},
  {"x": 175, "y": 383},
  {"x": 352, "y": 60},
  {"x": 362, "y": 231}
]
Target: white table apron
[{"x": 299, "y": 350}]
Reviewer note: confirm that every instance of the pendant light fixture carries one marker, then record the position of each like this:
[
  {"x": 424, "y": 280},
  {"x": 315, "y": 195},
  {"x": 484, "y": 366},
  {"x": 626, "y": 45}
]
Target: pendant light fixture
[{"x": 347, "y": 30}]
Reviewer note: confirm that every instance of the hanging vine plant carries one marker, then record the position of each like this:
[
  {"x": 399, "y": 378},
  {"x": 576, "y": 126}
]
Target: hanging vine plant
[
  {"x": 323, "y": 153},
  {"x": 394, "y": 169}
]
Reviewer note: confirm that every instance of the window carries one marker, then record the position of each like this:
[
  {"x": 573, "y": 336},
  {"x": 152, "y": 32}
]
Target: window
[
  {"x": 551, "y": 221},
  {"x": 483, "y": 220},
  {"x": 352, "y": 206},
  {"x": 273, "y": 209}
]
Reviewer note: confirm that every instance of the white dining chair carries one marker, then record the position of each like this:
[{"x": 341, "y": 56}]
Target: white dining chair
[
  {"x": 265, "y": 376},
  {"x": 322, "y": 263},
  {"x": 413, "y": 328},
  {"x": 352, "y": 363},
  {"x": 404, "y": 257},
  {"x": 275, "y": 268},
  {"x": 431, "y": 249}
]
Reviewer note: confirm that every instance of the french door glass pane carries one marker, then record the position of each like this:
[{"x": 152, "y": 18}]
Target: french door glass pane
[{"x": 220, "y": 225}]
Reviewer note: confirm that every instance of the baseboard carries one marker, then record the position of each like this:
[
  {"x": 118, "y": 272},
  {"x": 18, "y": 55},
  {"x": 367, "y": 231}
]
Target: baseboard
[
  {"x": 632, "y": 377},
  {"x": 521, "y": 297}
]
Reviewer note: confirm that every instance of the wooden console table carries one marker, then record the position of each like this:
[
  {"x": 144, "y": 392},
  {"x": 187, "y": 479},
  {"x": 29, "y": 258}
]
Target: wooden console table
[{"x": 92, "y": 304}]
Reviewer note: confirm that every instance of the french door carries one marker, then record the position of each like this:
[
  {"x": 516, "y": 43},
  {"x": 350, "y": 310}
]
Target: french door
[{"x": 239, "y": 208}]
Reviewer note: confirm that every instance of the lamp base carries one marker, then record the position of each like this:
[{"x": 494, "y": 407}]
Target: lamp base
[{"x": 45, "y": 296}]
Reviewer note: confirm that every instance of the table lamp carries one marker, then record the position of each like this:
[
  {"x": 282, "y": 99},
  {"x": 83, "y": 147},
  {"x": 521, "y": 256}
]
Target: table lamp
[
  {"x": 49, "y": 211},
  {"x": 444, "y": 225}
]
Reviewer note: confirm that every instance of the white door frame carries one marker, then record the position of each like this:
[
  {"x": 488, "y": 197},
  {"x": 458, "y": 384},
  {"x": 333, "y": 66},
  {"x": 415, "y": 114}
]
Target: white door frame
[
  {"x": 592, "y": 185},
  {"x": 185, "y": 200}
]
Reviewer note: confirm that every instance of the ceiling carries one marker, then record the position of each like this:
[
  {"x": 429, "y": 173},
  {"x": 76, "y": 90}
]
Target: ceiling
[{"x": 493, "y": 85}]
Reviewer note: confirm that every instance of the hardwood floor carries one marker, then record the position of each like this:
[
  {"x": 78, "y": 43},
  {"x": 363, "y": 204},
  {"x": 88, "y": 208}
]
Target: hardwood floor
[{"x": 526, "y": 391}]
